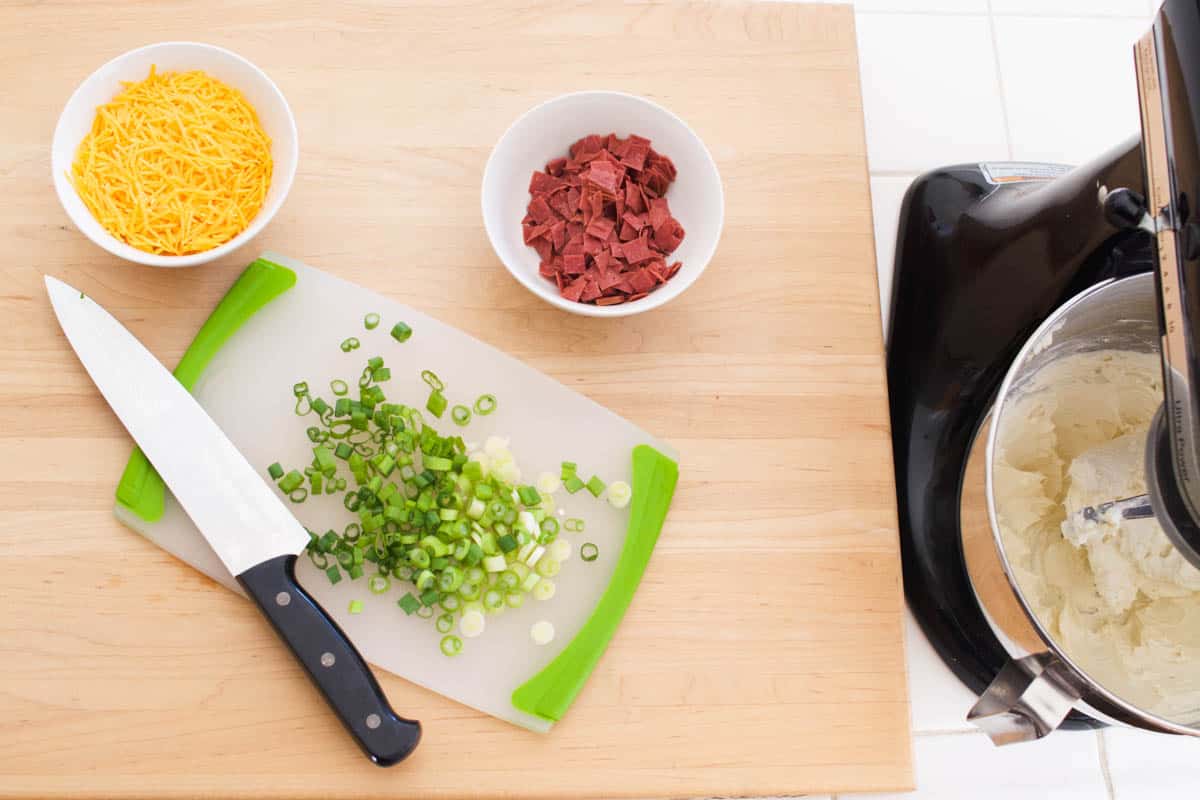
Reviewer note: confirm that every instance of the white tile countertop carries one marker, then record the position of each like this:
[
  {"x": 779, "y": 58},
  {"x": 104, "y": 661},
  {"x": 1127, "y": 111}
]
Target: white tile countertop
[
  {"x": 953, "y": 81},
  {"x": 948, "y": 81}
]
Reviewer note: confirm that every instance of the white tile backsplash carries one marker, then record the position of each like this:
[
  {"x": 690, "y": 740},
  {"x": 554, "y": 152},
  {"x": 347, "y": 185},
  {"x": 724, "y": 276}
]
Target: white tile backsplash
[
  {"x": 1069, "y": 85},
  {"x": 1073, "y": 8},
  {"x": 1065, "y": 766},
  {"x": 930, "y": 91},
  {"x": 1152, "y": 766}
]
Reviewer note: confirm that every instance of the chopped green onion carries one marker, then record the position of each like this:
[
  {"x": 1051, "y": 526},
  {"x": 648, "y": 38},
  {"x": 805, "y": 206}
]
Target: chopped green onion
[
  {"x": 356, "y": 606},
  {"x": 595, "y": 486},
  {"x": 451, "y": 645},
  {"x": 275, "y": 471},
  {"x": 401, "y": 332},
  {"x": 485, "y": 404},
  {"x": 445, "y": 623},
  {"x": 568, "y": 469},
  {"x": 515, "y": 599},
  {"x": 493, "y": 599},
  {"x": 291, "y": 481},
  {"x": 544, "y": 590},
  {"x": 560, "y": 550},
  {"x": 409, "y": 604},
  {"x": 460, "y": 414},
  {"x": 548, "y": 483},
  {"x": 432, "y": 380},
  {"x": 334, "y": 574},
  {"x": 438, "y": 464},
  {"x": 349, "y": 344},
  {"x": 619, "y": 494},
  {"x": 436, "y": 404},
  {"x": 425, "y": 612},
  {"x": 548, "y": 567},
  {"x": 339, "y": 388},
  {"x": 572, "y": 483},
  {"x": 529, "y": 495},
  {"x": 378, "y": 584},
  {"x": 450, "y": 602},
  {"x": 549, "y": 526},
  {"x": 542, "y": 632},
  {"x": 589, "y": 551},
  {"x": 300, "y": 389},
  {"x": 472, "y": 623},
  {"x": 573, "y": 525},
  {"x": 371, "y": 321},
  {"x": 303, "y": 405}
]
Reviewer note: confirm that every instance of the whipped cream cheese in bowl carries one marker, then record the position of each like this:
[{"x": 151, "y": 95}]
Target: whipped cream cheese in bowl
[{"x": 1099, "y": 614}]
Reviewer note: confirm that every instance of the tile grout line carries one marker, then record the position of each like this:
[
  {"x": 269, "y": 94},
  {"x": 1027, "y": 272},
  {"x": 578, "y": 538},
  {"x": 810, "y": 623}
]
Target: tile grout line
[
  {"x": 1008, "y": 138},
  {"x": 1102, "y": 748}
]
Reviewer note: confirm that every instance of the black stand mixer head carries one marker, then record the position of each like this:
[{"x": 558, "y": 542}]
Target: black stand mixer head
[{"x": 985, "y": 253}]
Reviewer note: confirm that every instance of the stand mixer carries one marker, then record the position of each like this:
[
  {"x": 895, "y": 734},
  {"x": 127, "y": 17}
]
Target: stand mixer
[{"x": 987, "y": 254}]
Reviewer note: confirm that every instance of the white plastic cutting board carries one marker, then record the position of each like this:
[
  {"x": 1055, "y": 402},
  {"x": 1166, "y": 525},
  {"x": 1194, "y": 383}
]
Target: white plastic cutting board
[{"x": 247, "y": 388}]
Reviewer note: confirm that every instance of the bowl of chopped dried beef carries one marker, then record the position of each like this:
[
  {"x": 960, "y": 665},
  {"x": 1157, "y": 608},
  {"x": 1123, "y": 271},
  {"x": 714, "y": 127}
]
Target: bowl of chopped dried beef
[{"x": 603, "y": 203}]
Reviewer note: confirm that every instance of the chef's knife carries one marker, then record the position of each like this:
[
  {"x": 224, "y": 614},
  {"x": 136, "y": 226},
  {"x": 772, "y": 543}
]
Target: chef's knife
[{"x": 243, "y": 520}]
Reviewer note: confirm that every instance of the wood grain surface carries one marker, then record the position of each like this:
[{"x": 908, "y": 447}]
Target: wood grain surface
[{"x": 763, "y": 653}]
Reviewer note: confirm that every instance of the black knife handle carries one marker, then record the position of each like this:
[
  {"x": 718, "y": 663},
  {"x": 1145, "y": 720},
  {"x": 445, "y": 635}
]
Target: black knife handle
[{"x": 331, "y": 661}]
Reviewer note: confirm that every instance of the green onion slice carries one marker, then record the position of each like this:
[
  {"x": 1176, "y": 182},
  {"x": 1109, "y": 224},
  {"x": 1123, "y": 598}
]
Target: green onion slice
[
  {"x": 589, "y": 551},
  {"x": 432, "y": 380},
  {"x": 451, "y": 645},
  {"x": 401, "y": 332},
  {"x": 371, "y": 321},
  {"x": 485, "y": 404},
  {"x": 339, "y": 387},
  {"x": 460, "y": 414}
]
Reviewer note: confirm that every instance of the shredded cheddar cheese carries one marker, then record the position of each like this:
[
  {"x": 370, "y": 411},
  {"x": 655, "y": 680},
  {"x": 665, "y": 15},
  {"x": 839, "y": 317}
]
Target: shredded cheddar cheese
[{"x": 175, "y": 164}]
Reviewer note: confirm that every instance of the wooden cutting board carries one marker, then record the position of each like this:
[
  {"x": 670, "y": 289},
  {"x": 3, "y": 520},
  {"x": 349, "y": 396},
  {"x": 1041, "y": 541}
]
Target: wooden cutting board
[{"x": 763, "y": 652}]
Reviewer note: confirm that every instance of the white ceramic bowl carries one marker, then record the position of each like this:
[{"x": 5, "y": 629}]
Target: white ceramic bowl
[
  {"x": 546, "y": 131},
  {"x": 104, "y": 84}
]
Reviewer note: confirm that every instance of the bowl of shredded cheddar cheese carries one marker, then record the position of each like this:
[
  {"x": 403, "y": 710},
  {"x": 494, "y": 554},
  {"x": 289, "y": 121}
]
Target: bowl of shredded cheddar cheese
[{"x": 174, "y": 154}]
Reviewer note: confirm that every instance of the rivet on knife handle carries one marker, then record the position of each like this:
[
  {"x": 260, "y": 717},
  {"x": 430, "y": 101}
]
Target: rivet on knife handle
[{"x": 331, "y": 661}]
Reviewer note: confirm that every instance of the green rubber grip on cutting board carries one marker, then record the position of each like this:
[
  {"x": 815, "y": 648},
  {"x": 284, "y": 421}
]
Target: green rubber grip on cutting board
[
  {"x": 141, "y": 490},
  {"x": 549, "y": 693}
]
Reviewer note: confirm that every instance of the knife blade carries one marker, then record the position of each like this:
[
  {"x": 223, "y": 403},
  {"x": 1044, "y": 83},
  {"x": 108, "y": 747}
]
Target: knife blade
[{"x": 239, "y": 514}]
